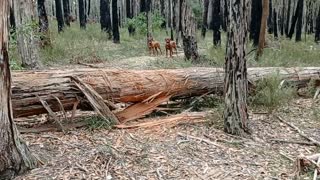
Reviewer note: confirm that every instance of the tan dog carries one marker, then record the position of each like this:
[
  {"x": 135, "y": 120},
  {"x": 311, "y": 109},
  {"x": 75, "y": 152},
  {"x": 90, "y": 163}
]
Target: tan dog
[
  {"x": 170, "y": 45},
  {"x": 153, "y": 46}
]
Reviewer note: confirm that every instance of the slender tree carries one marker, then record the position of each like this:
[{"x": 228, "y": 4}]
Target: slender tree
[
  {"x": 66, "y": 12},
  {"x": 299, "y": 23},
  {"x": 275, "y": 24},
  {"x": 298, "y": 13},
  {"x": 205, "y": 18},
  {"x": 43, "y": 24},
  {"x": 263, "y": 28},
  {"x": 287, "y": 24},
  {"x": 105, "y": 17},
  {"x": 143, "y": 5},
  {"x": 188, "y": 31},
  {"x": 270, "y": 18},
  {"x": 171, "y": 19},
  {"x": 236, "y": 82},
  {"x": 82, "y": 14},
  {"x": 216, "y": 22},
  {"x": 129, "y": 8},
  {"x": 15, "y": 156},
  {"x": 255, "y": 25},
  {"x": 317, "y": 32},
  {"x": 115, "y": 22},
  {"x": 59, "y": 15},
  {"x": 26, "y": 37},
  {"x": 12, "y": 20}
]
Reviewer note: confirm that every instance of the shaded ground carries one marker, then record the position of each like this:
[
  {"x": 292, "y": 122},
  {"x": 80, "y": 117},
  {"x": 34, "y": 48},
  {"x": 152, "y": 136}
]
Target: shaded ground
[{"x": 170, "y": 153}]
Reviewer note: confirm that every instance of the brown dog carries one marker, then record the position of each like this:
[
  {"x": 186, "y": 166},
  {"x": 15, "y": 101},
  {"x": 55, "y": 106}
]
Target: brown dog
[
  {"x": 153, "y": 45},
  {"x": 170, "y": 45}
]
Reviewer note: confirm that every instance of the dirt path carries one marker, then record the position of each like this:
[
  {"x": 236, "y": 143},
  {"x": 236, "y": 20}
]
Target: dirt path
[{"x": 170, "y": 153}]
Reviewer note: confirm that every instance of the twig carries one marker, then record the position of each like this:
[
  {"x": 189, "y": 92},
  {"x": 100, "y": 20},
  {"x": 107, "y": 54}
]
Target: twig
[
  {"x": 292, "y": 142},
  {"x": 159, "y": 174},
  {"x": 284, "y": 155},
  {"x": 107, "y": 168},
  {"x": 202, "y": 140},
  {"x": 51, "y": 113},
  {"x": 315, "y": 175},
  {"x": 61, "y": 107},
  {"x": 302, "y": 134},
  {"x": 89, "y": 65}
]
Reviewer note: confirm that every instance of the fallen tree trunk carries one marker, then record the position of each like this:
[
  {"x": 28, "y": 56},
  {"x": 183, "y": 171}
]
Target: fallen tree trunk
[{"x": 128, "y": 86}]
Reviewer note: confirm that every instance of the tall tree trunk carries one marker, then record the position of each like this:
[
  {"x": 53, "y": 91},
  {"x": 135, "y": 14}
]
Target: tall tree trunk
[
  {"x": 129, "y": 7},
  {"x": 26, "y": 37},
  {"x": 171, "y": 19},
  {"x": 270, "y": 18},
  {"x": 143, "y": 5},
  {"x": 105, "y": 17},
  {"x": 149, "y": 20},
  {"x": 299, "y": 23},
  {"x": 43, "y": 24},
  {"x": 205, "y": 18},
  {"x": 263, "y": 28},
  {"x": 12, "y": 20},
  {"x": 66, "y": 12},
  {"x": 317, "y": 33},
  {"x": 288, "y": 19},
  {"x": 89, "y": 8},
  {"x": 255, "y": 25},
  {"x": 236, "y": 82},
  {"x": 59, "y": 15},
  {"x": 275, "y": 24},
  {"x": 216, "y": 22},
  {"x": 15, "y": 156},
  {"x": 115, "y": 22},
  {"x": 82, "y": 14},
  {"x": 295, "y": 17},
  {"x": 178, "y": 20},
  {"x": 188, "y": 31}
]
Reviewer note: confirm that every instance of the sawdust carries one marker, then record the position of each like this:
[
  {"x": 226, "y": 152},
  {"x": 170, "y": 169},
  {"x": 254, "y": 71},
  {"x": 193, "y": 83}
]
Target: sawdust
[{"x": 162, "y": 153}]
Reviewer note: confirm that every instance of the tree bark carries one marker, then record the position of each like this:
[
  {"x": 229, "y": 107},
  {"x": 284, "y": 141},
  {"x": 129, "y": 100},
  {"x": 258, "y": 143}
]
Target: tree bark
[
  {"x": 66, "y": 12},
  {"x": 26, "y": 36},
  {"x": 270, "y": 18},
  {"x": 317, "y": 32},
  {"x": 288, "y": 19},
  {"x": 299, "y": 23},
  {"x": 43, "y": 24},
  {"x": 255, "y": 25},
  {"x": 82, "y": 14},
  {"x": 236, "y": 81},
  {"x": 129, "y": 7},
  {"x": 116, "y": 86},
  {"x": 15, "y": 156},
  {"x": 105, "y": 17},
  {"x": 115, "y": 22},
  {"x": 275, "y": 24},
  {"x": 216, "y": 22},
  {"x": 188, "y": 31},
  {"x": 295, "y": 17},
  {"x": 263, "y": 28},
  {"x": 205, "y": 18},
  {"x": 59, "y": 15},
  {"x": 12, "y": 20}
]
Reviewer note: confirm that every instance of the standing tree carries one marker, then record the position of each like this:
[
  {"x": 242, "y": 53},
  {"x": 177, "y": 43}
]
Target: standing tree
[
  {"x": 178, "y": 20},
  {"x": 299, "y": 23},
  {"x": 59, "y": 15},
  {"x": 15, "y": 156},
  {"x": 255, "y": 25},
  {"x": 115, "y": 22},
  {"x": 205, "y": 18},
  {"x": 82, "y": 14},
  {"x": 129, "y": 9},
  {"x": 317, "y": 33},
  {"x": 149, "y": 20},
  {"x": 26, "y": 36},
  {"x": 236, "y": 82},
  {"x": 188, "y": 31},
  {"x": 294, "y": 20},
  {"x": 216, "y": 22},
  {"x": 263, "y": 27},
  {"x": 287, "y": 18},
  {"x": 43, "y": 24},
  {"x": 66, "y": 12},
  {"x": 105, "y": 19}
]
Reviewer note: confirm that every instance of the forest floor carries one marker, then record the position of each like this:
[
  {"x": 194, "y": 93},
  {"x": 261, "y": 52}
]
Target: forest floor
[
  {"x": 178, "y": 152},
  {"x": 190, "y": 151}
]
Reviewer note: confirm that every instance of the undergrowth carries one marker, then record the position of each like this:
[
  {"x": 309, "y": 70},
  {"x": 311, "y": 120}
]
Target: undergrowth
[{"x": 96, "y": 122}]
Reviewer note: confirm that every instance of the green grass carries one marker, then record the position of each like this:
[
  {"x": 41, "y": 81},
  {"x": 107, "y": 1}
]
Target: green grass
[
  {"x": 91, "y": 45},
  {"x": 97, "y": 122}
]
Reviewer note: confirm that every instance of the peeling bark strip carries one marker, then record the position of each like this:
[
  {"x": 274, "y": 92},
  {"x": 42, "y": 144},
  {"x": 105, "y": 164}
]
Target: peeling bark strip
[
  {"x": 128, "y": 86},
  {"x": 26, "y": 39},
  {"x": 236, "y": 81},
  {"x": 15, "y": 157}
]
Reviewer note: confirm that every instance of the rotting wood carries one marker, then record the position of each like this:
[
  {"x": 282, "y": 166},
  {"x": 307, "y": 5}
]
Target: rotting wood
[{"x": 129, "y": 86}]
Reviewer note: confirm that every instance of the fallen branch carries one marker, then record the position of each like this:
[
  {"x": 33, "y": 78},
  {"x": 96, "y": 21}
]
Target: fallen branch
[
  {"x": 302, "y": 134},
  {"x": 292, "y": 142},
  {"x": 202, "y": 140}
]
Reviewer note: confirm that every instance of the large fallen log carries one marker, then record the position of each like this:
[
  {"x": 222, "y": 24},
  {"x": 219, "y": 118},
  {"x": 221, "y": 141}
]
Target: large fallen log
[{"x": 127, "y": 86}]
